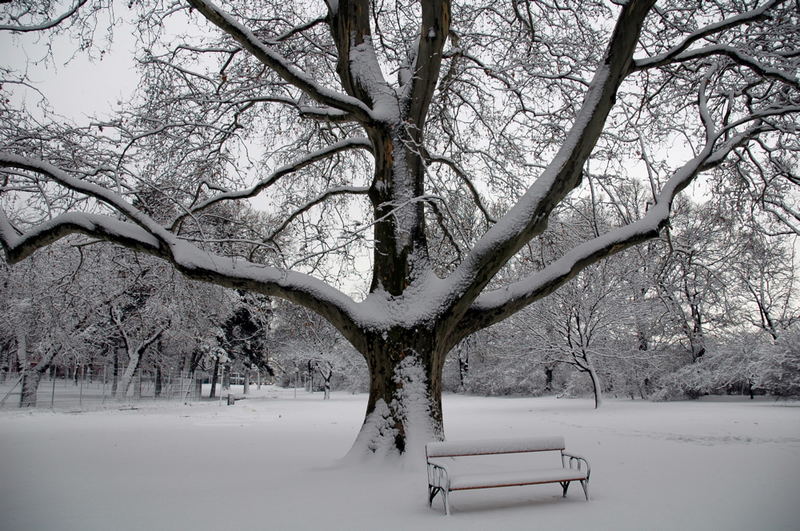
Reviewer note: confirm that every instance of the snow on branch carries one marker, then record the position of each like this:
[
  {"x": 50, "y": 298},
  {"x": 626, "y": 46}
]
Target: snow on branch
[
  {"x": 144, "y": 234},
  {"x": 528, "y": 217},
  {"x": 284, "y": 68},
  {"x": 110, "y": 198},
  {"x": 494, "y": 306},
  {"x": 736, "y": 55},
  {"x": 18, "y": 245},
  {"x": 677, "y": 50},
  {"x": 47, "y": 24}
]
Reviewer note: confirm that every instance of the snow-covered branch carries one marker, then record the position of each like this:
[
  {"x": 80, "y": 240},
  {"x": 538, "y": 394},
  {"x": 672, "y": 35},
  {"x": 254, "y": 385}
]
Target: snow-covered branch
[
  {"x": 144, "y": 234},
  {"x": 678, "y": 50},
  {"x": 274, "y": 60},
  {"x": 529, "y": 216},
  {"x": 48, "y": 24},
  {"x": 496, "y": 305},
  {"x": 735, "y": 54},
  {"x": 19, "y": 245}
]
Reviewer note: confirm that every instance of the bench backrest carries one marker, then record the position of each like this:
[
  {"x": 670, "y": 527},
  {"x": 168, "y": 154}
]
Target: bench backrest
[{"x": 493, "y": 446}]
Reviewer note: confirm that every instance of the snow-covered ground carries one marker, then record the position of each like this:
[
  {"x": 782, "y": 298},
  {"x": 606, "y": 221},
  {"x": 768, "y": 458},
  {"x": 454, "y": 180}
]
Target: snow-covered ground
[{"x": 273, "y": 462}]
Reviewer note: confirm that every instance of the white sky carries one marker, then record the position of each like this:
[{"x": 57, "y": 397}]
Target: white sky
[{"x": 75, "y": 85}]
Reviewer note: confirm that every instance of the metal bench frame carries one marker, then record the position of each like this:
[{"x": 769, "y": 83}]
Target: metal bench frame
[{"x": 439, "y": 480}]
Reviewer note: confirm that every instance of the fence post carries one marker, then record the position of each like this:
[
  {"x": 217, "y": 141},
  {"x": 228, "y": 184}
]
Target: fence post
[
  {"x": 80, "y": 394},
  {"x": 52, "y": 387}
]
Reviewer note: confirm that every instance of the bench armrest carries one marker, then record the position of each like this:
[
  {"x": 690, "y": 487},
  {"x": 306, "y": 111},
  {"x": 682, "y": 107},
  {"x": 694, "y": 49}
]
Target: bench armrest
[
  {"x": 576, "y": 461},
  {"x": 437, "y": 476}
]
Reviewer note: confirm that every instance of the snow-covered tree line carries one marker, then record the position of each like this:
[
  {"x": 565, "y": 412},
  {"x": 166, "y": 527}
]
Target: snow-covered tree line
[
  {"x": 711, "y": 307},
  {"x": 116, "y": 314},
  {"x": 428, "y": 144}
]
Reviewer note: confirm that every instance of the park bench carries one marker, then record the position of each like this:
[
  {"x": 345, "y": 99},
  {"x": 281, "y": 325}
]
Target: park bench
[{"x": 440, "y": 455}]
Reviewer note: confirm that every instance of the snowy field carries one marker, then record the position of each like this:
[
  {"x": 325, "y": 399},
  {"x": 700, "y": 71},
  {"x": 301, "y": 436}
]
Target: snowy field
[{"x": 273, "y": 462}]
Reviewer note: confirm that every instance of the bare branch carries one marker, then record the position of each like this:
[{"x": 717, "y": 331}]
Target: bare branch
[
  {"x": 316, "y": 156},
  {"x": 464, "y": 177},
  {"x": 331, "y": 192}
]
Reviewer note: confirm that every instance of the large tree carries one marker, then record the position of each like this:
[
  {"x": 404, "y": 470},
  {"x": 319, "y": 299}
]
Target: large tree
[{"x": 400, "y": 108}]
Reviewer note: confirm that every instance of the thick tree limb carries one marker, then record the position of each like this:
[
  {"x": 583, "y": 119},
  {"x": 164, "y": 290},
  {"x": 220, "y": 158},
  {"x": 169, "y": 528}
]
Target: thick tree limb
[
  {"x": 529, "y": 216},
  {"x": 357, "y": 64},
  {"x": 497, "y": 305},
  {"x": 146, "y": 235},
  {"x": 428, "y": 59},
  {"x": 279, "y": 64}
]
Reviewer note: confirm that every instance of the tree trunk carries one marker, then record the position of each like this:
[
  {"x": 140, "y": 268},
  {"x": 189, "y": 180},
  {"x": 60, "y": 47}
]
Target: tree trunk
[
  {"x": 127, "y": 377},
  {"x": 598, "y": 391},
  {"x": 137, "y": 389},
  {"x": 158, "y": 383},
  {"x": 463, "y": 369},
  {"x": 246, "y": 387},
  {"x": 30, "y": 385},
  {"x": 548, "y": 379},
  {"x": 226, "y": 376},
  {"x": 115, "y": 373},
  {"x": 404, "y": 410},
  {"x": 214, "y": 378}
]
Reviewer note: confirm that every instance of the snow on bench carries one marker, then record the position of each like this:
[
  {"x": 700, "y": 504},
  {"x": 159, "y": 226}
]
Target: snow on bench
[{"x": 440, "y": 479}]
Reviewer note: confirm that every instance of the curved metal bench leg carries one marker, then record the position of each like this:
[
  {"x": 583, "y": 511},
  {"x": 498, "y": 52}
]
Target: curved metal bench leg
[
  {"x": 585, "y": 485},
  {"x": 432, "y": 492},
  {"x": 565, "y": 486},
  {"x": 446, "y": 503}
]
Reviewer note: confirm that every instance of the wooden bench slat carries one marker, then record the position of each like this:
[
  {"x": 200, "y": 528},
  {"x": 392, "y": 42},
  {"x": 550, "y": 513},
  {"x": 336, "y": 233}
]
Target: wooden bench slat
[{"x": 525, "y": 477}]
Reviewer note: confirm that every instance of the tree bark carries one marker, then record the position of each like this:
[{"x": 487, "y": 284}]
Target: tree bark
[
  {"x": 226, "y": 376},
  {"x": 127, "y": 377},
  {"x": 214, "y": 378},
  {"x": 596, "y": 386},
  {"x": 404, "y": 409},
  {"x": 30, "y": 385},
  {"x": 463, "y": 369},
  {"x": 115, "y": 373},
  {"x": 158, "y": 383},
  {"x": 548, "y": 379}
]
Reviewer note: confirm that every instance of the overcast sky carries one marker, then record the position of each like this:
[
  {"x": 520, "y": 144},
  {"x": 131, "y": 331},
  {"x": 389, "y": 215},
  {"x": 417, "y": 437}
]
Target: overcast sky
[{"x": 75, "y": 85}]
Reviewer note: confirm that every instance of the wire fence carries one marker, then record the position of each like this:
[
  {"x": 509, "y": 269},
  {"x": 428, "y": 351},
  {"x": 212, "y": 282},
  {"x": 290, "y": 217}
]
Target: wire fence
[{"x": 87, "y": 391}]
